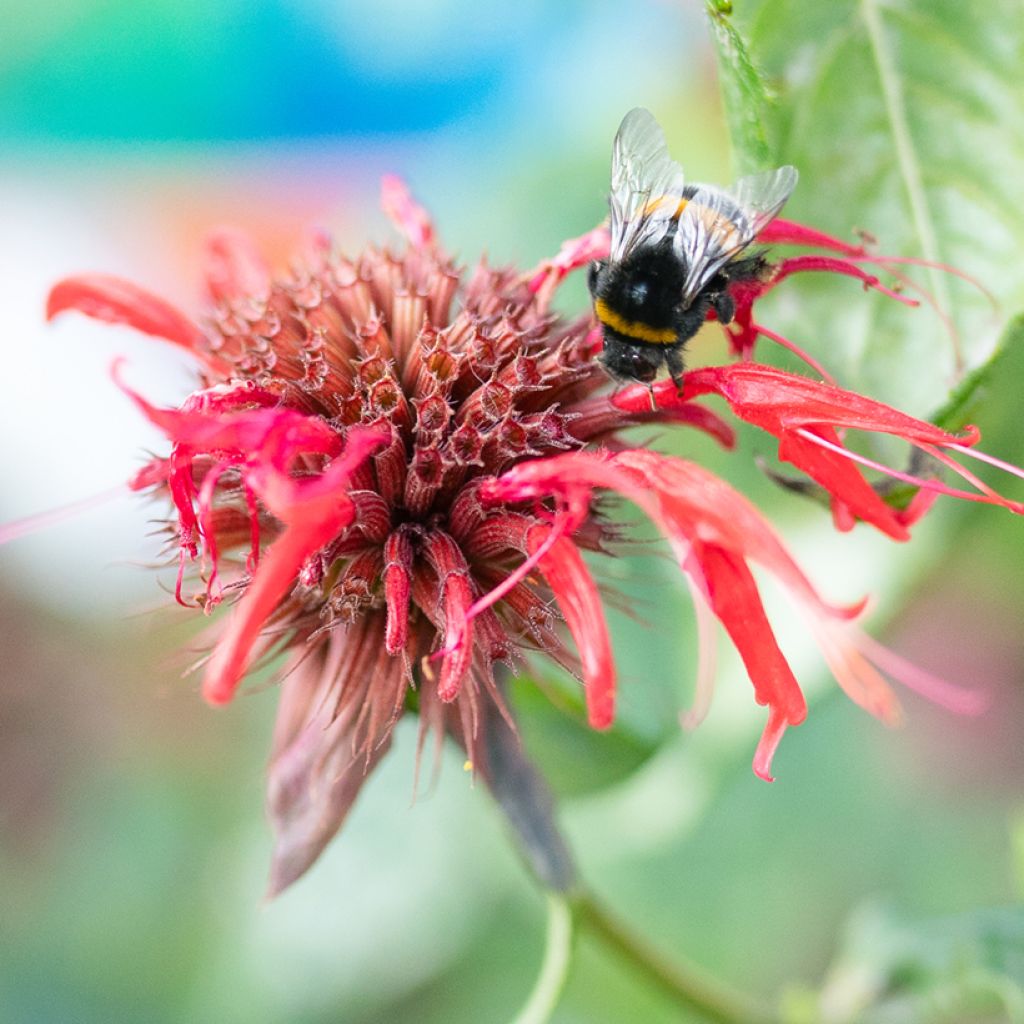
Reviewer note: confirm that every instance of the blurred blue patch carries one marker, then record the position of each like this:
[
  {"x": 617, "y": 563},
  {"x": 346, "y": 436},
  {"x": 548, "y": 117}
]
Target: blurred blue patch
[{"x": 187, "y": 70}]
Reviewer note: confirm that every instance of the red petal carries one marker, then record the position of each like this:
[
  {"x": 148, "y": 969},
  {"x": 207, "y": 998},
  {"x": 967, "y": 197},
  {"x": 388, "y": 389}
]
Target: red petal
[
  {"x": 276, "y": 576},
  {"x": 797, "y": 264},
  {"x": 788, "y": 232},
  {"x": 768, "y": 744},
  {"x": 407, "y": 215},
  {"x": 734, "y": 598},
  {"x": 315, "y": 511},
  {"x": 776, "y": 401},
  {"x": 456, "y": 590},
  {"x": 397, "y": 589},
  {"x": 114, "y": 300},
  {"x": 235, "y": 269},
  {"x": 575, "y": 253},
  {"x": 841, "y": 478},
  {"x": 580, "y": 604}
]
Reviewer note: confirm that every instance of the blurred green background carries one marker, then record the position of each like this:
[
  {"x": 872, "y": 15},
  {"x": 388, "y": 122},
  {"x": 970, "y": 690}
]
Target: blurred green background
[{"x": 132, "y": 844}]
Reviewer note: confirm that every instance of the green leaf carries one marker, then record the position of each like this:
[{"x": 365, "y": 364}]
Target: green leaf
[
  {"x": 959, "y": 409},
  {"x": 574, "y": 758},
  {"x": 968, "y": 967},
  {"x": 744, "y": 92},
  {"x": 905, "y": 120}
]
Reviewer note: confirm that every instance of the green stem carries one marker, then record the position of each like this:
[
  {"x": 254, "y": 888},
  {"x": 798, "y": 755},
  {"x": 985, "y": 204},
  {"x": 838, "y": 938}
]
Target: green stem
[
  {"x": 555, "y": 968},
  {"x": 686, "y": 984}
]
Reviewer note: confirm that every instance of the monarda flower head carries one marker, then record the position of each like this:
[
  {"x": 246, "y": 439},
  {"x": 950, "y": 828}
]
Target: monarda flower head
[{"x": 389, "y": 469}]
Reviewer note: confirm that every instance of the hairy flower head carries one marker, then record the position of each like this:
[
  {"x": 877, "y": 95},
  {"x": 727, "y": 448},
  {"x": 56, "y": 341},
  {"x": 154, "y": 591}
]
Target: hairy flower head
[{"x": 389, "y": 469}]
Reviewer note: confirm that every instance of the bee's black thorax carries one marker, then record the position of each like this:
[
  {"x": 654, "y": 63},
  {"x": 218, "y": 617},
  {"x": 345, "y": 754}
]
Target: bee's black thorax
[{"x": 645, "y": 287}]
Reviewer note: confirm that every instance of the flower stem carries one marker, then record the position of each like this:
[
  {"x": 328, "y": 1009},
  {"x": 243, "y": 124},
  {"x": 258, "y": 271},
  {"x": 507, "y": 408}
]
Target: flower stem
[
  {"x": 555, "y": 968},
  {"x": 685, "y": 983}
]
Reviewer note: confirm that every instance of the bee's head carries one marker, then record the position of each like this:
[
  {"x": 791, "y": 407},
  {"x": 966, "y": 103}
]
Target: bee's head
[{"x": 594, "y": 274}]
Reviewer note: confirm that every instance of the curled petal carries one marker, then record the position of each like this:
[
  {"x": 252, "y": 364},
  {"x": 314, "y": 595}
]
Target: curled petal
[
  {"x": 580, "y": 604},
  {"x": 275, "y": 435},
  {"x": 805, "y": 415},
  {"x": 109, "y": 298},
  {"x": 704, "y": 419},
  {"x": 314, "y": 511}
]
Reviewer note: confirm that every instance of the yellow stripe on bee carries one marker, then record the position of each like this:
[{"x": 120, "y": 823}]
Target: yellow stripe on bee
[
  {"x": 634, "y": 328},
  {"x": 720, "y": 226},
  {"x": 653, "y": 204}
]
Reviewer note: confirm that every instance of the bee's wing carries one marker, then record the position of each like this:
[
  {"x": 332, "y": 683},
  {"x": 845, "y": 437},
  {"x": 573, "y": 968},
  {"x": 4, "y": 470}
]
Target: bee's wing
[
  {"x": 719, "y": 223},
  {"x": 647, "y": 184}
]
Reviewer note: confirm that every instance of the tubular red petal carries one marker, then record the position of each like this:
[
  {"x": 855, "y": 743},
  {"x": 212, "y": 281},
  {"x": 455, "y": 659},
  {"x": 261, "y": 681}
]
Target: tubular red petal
[
  {"x": 707, "y": 656},
  {"x": 825, "y": 464},
  {"x": 405, "y": 213},
  {"x": 314, "y": 511},
  {"x": 776, "y": 401},
  {"x": 799, "y": 264},
  {"x": 456, "y": 591},
  {"x": 859, "y": 679},
  {"x": 693, "y": 415},
  {"x": 788, "y": 232},
  {"x": 986, "y": 494},
  {"x": 575, "y": 253},
  {"x": 579, "y": 601},
  {"x": 801, "y": 414},
  {"x": 397, "y": 589},
  {"x": 768, "y": 744},
  {"x": 733, "y": 596},
  {"x": 276, "y": 576},
  {"x": 457, "y": 596},
  {"x": 235, "y": 269},
  {"x": 272, "y": 434},
  {"x": 288, "y": 497},
  {"x": 111, "y": 299},
  {"x": 747, "y": 346}
]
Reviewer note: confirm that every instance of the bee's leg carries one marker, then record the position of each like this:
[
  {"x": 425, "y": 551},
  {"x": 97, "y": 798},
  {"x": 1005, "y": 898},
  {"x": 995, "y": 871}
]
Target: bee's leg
[
  {"x": 752, "y": 268},
  {"x": 674, "y": 362},
  {"x": 724, "y": 306}
]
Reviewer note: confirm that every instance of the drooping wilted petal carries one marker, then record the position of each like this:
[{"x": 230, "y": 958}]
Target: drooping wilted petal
[{"x": 317, "y": 767}]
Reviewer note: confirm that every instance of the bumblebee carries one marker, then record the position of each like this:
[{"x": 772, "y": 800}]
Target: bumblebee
[{"x": 675, "y": 249}]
